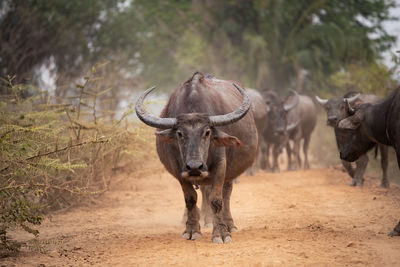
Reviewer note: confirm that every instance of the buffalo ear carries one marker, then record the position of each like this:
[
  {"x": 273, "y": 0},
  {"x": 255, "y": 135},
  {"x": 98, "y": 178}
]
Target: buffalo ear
[
  {"x": 167, "y": 136},
  {"x": 222, "y": 139}
]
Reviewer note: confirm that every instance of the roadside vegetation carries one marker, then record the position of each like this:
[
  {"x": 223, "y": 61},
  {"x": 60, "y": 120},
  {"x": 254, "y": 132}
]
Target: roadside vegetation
[{"x": 53, "y": 155}]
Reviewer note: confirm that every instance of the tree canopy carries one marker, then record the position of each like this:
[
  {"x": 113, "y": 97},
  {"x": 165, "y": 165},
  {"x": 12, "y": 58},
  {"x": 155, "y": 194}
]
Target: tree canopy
[{"x": 267, "y": 44}]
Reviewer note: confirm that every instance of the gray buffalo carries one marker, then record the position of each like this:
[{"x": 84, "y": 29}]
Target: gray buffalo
[
  {"x": 275, "y": 134},
  {"x": 381, "y": 124},
  {"x": 260, "y": 113},
  {"x": 304, "y": 116},
  {"x": 206, "y": 136},
  {"x": 336, "y": 110}
]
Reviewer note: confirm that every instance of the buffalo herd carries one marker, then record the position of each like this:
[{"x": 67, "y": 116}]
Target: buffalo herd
[{"x": 211, "y": 131}]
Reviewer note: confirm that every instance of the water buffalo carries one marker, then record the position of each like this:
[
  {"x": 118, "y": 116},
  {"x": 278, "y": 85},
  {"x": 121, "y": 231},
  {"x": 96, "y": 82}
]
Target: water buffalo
[
  {"x": 336, "y": 110},
  {"x": 206, "y": 136},
  {"x": 260, "y": 113},
  {"x": 275, "y": 134},
  {"x": 380, "y": 122},
  {"x": 302, "y": 119}
]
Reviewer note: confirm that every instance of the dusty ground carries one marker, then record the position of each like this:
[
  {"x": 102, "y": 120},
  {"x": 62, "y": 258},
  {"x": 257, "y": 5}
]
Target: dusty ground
[{"x": 305, "y": 218}]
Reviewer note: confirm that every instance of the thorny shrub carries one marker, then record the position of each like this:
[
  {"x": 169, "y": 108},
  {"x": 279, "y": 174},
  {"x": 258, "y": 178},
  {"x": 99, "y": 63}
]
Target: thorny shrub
[{"x": 54, "y": 154}]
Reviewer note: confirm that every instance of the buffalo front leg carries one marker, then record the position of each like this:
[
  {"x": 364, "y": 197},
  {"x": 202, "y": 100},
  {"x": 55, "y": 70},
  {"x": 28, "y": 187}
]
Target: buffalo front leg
[
  {"x": 275, "y": 156},
  {"x": 289, "y": 156},
  {"x": 296, "y": 152},
  {"x": 226, "y": 194},
  {"x": 361, "y": 165},
  {"x": 384, "y": 164},
  {"x": 265, "y": 165},
  {"x": 347, "y": 166},
  {"x": 220, "y": 233},
  {"x": 192, "y": 230}
]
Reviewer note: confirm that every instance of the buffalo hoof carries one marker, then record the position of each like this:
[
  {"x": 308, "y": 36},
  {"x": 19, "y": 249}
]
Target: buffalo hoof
[
  {"x": 396, "y": 230},
  {"x": 190, "y": 236},
  {"x": 394, "y": 233},
  {"x": 353, "y": 183},
  {"x": 233, "y": 230},
  {"x": 385, "y": 184},
  {"x": 217, "y": 240},
  {"x": 228, "y": 239}
]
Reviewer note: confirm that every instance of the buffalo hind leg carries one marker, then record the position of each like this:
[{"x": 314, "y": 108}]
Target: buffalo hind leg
[
  {"x": 226, "y": 194},
  {"x": 206, "y": 211},
  {"x": 384, "y": 164},
  {"x": 396, "y": 230},
  {"x": 192, "y": 230}
]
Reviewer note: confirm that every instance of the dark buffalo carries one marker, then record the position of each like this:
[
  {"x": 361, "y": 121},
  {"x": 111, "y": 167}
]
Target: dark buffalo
[
  {"x": 206, "y": 136},
  {"x": 381, "y": 124},
  {"x": 301, "y": 120},
  {"x": 336, "y": 110},
  {"x": 275, "y": 135}
]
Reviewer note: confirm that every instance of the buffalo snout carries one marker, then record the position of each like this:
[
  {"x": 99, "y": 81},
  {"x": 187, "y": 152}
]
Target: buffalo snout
[
  {"x": 195, "y": 168},
  {"x": 332, "y": 121}
]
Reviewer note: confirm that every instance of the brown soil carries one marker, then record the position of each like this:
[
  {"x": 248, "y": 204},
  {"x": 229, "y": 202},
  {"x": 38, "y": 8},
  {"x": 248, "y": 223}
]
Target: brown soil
[{"x": 304, "y": 218}]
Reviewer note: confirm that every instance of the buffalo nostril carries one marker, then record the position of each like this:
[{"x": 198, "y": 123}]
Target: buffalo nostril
[{"x": 194, "y": 166}]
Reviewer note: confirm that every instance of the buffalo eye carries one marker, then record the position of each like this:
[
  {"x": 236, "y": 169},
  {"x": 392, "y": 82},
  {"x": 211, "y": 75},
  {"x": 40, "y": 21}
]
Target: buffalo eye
[
  {"x": 208, "y": 132},
  {"x": 179, "y": 134}
]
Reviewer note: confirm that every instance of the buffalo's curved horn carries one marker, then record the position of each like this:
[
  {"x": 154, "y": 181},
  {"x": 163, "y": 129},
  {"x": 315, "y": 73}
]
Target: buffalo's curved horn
[
  {"x": 349, "y": 107},
  {"x": 351, "y": 99},
  {"x": 321, "y": 100},
  {"x": 288, "y": 107},
  {"x": 220, "y": 120},
  {"x": 143, "y": 115},
  {"x": 292, "y": 125}
]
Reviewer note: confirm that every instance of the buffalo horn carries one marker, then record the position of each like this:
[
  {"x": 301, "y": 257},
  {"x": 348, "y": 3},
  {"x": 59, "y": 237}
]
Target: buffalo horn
[
  {"x": 349, "y": 108},
  {"x": 321, "y": 100},
  {"x": 143, "y": 115},
  {"x": 351, "y": 99},
  {"x": 288, "y": 107},
  {"x": 292, "y": 125},
  {"x": 220, "y": 120}
]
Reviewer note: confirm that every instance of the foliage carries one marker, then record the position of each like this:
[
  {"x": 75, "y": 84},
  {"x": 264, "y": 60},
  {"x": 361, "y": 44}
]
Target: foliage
[
  {"x": 52, "y": 155},
  {"x": 372, "y": 78},
  {"x": 273, "y": 44}
]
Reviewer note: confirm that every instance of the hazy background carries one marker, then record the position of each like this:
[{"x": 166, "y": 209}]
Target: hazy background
[{"x": 316, "y": 47}]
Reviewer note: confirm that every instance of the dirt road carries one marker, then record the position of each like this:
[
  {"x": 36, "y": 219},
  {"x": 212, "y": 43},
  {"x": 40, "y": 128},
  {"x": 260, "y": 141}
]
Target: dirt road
[{"x": 305, "y": 218}]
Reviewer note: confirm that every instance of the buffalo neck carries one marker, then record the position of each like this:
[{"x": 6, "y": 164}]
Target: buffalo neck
[{"x": 376, "y": 119}]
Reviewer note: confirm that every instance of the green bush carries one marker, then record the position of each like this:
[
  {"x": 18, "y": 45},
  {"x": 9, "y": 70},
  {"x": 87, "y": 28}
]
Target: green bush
[{"x": 53, "y": 154}]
